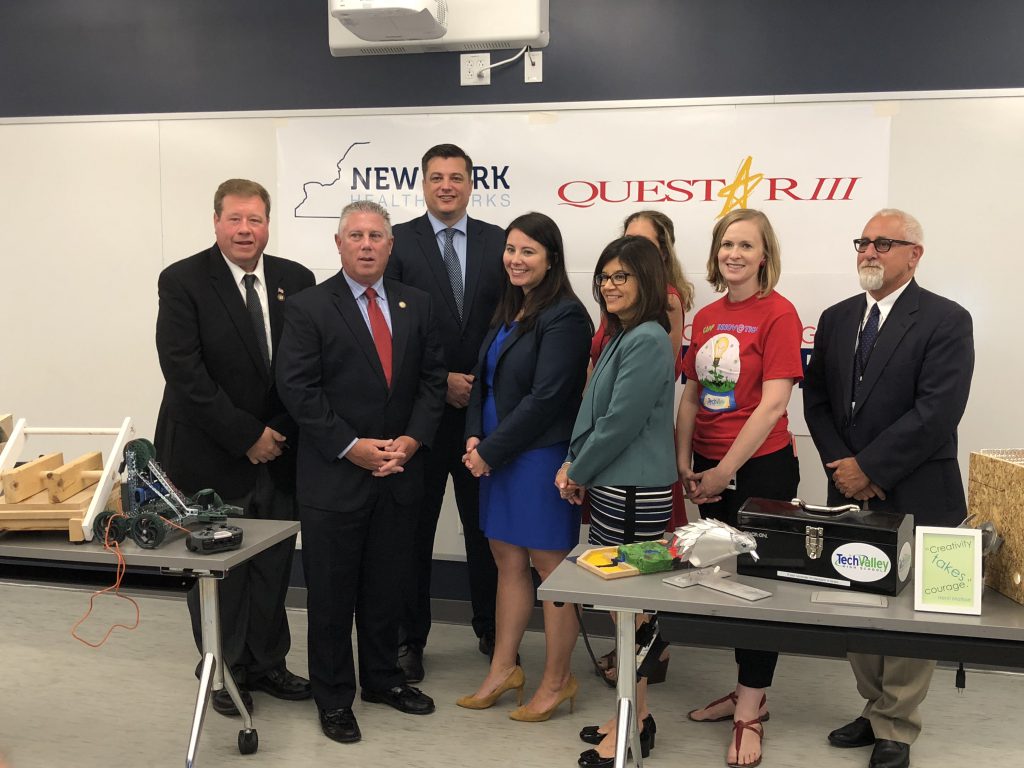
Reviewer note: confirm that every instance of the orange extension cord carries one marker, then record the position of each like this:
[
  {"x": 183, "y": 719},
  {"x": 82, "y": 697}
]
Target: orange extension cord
[{"x": 115, "y": 588}]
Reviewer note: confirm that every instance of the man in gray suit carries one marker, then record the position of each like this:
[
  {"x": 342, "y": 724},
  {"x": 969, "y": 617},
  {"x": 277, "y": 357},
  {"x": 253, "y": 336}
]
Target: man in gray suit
[{"x": 885, "y": 390}]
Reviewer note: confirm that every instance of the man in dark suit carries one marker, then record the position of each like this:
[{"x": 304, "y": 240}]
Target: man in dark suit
[
  {"x": 457, "y": 260},
  {"x": 222, "y": 426},
  {"x": 361, "y": 371},
  {"x": 885, "y": 390}
]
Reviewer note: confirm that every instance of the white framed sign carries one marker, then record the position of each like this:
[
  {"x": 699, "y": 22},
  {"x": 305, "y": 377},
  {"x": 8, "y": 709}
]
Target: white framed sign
[{"x": 947, "y": 570}]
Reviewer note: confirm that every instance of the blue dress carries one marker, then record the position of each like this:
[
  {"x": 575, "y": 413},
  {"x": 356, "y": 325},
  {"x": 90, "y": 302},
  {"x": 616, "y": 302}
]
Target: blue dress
[{"x": 519, "y": 503}]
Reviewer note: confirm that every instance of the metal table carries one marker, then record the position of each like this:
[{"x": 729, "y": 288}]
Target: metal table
[
  {"x": 172, "y": 559},
  {"x": 789, "y": 621}
]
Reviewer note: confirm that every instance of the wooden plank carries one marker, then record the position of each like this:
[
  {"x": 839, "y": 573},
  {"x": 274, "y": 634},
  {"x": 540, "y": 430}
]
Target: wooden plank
[
  {"x": 67, "y": 480},
  {"x": 996, "y": 495},
  {"x": 41, "y": 501},
  {"x": 27, "y": 480}
]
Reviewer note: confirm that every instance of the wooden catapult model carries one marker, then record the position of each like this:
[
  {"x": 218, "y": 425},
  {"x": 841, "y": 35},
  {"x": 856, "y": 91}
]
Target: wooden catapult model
[{"x": 49, "y": 494}]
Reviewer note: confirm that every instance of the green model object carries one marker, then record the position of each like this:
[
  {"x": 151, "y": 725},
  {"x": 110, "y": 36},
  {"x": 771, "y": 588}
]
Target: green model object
[{"x": 647, "y": 556}]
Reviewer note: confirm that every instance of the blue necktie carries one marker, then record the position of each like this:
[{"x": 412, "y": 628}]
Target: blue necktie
[
  {"x": 451, "y": 263},
  {"x": 866, "y": 342}
]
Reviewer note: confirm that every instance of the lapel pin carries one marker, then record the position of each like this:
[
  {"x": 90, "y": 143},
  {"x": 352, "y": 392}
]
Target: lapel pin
[
  {"x": 280, "y": 294},
  {"x": 401, "y": 304}
]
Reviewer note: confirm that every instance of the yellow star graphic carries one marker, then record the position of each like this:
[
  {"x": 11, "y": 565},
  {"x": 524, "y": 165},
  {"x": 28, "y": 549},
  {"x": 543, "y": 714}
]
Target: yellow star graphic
[{"x": 736, "y": 194}]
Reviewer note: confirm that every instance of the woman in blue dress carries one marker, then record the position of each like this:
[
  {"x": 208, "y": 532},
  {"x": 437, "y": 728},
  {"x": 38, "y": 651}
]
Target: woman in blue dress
[{"x": 531, "y": 373}]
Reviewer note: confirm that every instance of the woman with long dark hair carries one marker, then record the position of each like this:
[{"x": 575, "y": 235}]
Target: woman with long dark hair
[{"x": 531, "y": 373}]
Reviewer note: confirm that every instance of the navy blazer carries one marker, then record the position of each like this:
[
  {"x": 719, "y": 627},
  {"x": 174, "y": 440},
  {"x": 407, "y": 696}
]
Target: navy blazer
[
  {"x": 538, "y": 383},
  {"x": 330, "y": 378},
  {"x": 912, "y": 397},
  {"x": 219, "y": 396},
  {"x": 416, "y": 260}
]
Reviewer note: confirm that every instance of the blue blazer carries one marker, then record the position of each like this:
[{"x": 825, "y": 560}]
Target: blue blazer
[
  {"x": 538, "y": 381},
  {"x": 915, "y": 388},
  {"x": 623, "y": 433}
]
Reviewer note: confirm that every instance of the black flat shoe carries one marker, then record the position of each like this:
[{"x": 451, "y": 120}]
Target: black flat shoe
[
  {"x": 890, "y": 754},
  {"x": 591, "y": 735},
  {"x": 592, "y": 759},
  {"x": 410, "y": 659},
  {"x": 404, "y": 698},
  {"x": 855, "y": 734},
  {"x": 282, "y": 684},
  {"x": 340, "y": 725},
  {"x": 223, "y": 704}
]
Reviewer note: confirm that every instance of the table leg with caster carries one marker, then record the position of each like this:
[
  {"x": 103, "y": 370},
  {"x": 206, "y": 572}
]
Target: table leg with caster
[{"x": 215, "y": 675}]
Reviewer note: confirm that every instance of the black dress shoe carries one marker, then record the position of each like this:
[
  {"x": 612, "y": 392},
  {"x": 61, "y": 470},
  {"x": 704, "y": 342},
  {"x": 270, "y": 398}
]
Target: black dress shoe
[
  {"x": 591, "y": 758},
  {"x": 855, "y": 734},
  {"x": 340, "y": 725},
  {"x": 890, "y": 754},
  {"x": 282, "y": 684},
  {"x": 404, "y": 698},
  {"x": 410, "y": 659},
  {"x": 223, "y": 704},
  {"x": 486, "y": 644},
  {"x": 591, "y": 735}
]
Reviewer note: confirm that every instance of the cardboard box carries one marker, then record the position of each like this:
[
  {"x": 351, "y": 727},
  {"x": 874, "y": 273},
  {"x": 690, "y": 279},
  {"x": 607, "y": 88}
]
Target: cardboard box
[{"x": 995, "y": 493}]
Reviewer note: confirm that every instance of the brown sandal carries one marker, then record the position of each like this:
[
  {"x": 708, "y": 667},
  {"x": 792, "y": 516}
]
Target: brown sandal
[
  {"x": 728, "y": 697},
  {"x": 738, "y": 726}
]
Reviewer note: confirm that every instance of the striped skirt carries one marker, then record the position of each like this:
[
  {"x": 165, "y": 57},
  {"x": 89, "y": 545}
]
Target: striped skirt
[{"x": 624, "y": 514}]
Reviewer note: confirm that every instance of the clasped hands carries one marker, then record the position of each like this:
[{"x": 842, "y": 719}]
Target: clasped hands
[
  {"x": 268, "y": 447},
  {"x": 703, "y": 487},
  {"x": 567, "y": 489},
  {"x": 850, "y": 480},
  {"x": 473, "y": 460},
  {"x": 383, "y": 457}
]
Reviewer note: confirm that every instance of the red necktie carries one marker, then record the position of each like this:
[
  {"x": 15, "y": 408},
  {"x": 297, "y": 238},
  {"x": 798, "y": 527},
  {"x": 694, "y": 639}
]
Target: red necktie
[{"x": 381, "y": 333}]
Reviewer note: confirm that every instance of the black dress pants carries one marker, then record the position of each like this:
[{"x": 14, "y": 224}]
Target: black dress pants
[
  {"x": 253, "y": 624},
  {"x": 772, "y": 476},
  {"x": 350, "y": 560},
  {"x": 443, "y": 459}
]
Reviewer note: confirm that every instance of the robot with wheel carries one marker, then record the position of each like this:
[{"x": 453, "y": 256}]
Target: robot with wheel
[{"x": 151, "y": 506}]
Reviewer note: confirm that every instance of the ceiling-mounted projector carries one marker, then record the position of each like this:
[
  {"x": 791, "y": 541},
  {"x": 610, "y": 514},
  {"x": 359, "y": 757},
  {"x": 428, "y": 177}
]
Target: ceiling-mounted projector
[
  {"x": 386, "y": 20},
  {"x": 386, "y": 27}
]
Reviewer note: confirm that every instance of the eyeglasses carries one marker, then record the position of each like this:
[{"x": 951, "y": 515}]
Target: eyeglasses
[
  {"x": 617, "y": 278},
  {"x": 882, "y": 244}
]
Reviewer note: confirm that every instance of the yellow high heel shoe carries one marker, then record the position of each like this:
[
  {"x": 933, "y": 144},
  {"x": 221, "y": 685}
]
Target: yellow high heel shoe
[
  {"x": 514, "y": 682},
  {"x": 524, "y": 715}
]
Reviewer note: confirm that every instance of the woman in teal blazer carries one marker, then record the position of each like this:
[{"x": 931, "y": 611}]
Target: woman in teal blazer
[{"x": 622, "y": 449}]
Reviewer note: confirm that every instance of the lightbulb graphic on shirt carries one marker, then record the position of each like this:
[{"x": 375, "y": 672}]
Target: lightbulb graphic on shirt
[{"x": 721, "y": 345}]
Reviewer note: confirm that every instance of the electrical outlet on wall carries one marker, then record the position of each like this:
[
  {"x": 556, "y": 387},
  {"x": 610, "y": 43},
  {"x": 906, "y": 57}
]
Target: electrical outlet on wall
[
  {"x": 534, "y": 70},
  {"x": 470, "y": 65}
]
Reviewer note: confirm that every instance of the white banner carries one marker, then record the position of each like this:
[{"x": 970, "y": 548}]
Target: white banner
[{"x": 818, "y": 171}]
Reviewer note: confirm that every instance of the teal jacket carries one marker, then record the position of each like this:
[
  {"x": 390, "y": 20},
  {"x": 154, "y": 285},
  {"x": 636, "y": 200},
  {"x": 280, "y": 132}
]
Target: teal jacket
[{"x": 623, "y": 433}]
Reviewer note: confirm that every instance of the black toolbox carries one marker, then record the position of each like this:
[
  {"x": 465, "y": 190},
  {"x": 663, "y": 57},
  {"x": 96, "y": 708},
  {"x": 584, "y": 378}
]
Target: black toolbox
[{"x": 842, "y": 547}]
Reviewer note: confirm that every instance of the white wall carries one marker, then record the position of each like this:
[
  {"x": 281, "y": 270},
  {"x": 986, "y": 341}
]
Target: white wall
[{"x": 90, "y": 212}]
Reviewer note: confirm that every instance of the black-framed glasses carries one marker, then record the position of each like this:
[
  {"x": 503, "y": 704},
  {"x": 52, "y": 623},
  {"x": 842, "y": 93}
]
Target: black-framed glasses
[
  {"x": 617, "y": 278},
  {"x": 882, "y": 244}
]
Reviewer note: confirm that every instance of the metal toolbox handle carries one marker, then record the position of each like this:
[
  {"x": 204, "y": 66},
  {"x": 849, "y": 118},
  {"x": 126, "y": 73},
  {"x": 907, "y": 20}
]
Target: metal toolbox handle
[{"x": 827, "y": 512}]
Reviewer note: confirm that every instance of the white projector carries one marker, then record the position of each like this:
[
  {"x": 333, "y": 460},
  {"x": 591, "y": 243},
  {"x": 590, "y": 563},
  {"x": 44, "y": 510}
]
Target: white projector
[{"x": 386, "y": 20}]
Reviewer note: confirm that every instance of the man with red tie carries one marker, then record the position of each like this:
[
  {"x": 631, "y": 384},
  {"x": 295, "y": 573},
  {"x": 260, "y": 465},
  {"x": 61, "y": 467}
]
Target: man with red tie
[{"x": 361, "y": 371}]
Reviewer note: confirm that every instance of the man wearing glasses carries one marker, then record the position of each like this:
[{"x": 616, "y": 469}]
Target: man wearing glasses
[{"x": 884, "y": 392}]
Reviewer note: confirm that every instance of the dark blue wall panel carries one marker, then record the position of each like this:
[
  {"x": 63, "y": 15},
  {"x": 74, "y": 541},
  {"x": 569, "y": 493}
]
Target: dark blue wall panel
[{"x": 75, "y": 57}]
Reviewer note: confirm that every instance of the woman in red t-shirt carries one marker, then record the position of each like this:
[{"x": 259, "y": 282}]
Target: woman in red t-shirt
[{"x": 732, "y": 434}]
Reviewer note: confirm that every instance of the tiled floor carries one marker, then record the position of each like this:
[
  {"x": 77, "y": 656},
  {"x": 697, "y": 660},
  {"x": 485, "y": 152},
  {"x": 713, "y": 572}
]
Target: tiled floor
[{"x": 129, "y": 704}]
